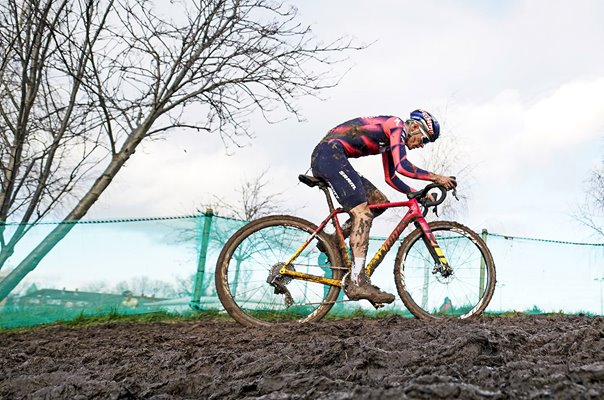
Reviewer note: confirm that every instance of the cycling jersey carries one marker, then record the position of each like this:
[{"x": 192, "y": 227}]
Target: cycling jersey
[{"x": 374, "y": 135}]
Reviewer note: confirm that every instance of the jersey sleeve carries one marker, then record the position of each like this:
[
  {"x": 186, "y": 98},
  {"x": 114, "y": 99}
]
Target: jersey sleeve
[
  {"x": 399, "y": 155},
  {"x": 390, "y": 175}
]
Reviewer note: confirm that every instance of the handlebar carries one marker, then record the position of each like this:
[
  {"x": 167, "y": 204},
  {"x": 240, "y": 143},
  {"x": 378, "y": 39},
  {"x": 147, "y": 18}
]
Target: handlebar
[{"x": 421, "y": 196}]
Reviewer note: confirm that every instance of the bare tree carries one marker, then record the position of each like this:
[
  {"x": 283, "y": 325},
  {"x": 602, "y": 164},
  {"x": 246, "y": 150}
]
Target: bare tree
[
  {"x": 84, "y": 82},
  {"x": 444, "y": 157},
  {"x": 591, "y": 212},
  {"x": 253, "y": 201}
]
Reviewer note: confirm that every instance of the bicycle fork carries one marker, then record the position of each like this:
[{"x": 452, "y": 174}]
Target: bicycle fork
[{"x": 441, "y": 265}]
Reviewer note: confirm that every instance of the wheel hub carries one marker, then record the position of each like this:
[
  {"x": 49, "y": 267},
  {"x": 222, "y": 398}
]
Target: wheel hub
[{"x": 442, "y": 271}]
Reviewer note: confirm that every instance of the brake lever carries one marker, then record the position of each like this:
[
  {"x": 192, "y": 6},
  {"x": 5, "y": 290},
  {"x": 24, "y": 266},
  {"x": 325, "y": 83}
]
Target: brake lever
[
  {"x": 454, "y": 193},
  {"x": 435, "y": 210}
]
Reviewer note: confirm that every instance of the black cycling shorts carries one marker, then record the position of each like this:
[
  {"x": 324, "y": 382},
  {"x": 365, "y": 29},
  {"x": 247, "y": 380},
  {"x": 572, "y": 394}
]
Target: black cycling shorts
[{"x": 329, "y": 161}]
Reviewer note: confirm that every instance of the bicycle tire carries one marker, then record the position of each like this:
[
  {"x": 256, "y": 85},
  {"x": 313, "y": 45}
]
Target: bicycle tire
[
  {"x": 431, "y": 296},
  {"x": 260, "y": 248}
]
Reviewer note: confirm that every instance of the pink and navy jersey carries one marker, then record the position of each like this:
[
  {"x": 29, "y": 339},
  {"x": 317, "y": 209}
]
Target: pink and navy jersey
[{"x": 384, "y": 134}]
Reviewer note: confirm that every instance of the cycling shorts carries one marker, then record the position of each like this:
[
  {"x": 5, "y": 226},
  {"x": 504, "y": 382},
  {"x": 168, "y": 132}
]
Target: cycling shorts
[{"x": 329, "y": 161}]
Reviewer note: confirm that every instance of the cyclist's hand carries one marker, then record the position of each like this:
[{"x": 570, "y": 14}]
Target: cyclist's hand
[{"x": 448, "y": 182}]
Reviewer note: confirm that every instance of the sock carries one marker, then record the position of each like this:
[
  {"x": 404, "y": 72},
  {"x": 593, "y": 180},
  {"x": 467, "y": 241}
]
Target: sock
[{"x": 357, "y": 267}]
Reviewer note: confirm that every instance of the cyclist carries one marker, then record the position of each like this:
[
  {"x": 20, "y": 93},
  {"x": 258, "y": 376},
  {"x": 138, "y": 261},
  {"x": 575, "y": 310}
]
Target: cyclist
[{"x": 359, "y": 137}]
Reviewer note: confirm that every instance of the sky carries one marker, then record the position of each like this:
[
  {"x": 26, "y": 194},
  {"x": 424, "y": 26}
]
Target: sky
[{"x": 517, "y": 86}]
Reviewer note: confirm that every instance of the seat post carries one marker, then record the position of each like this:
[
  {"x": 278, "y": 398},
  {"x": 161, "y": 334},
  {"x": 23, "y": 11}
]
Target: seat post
[{"x": 325, "y": 190}]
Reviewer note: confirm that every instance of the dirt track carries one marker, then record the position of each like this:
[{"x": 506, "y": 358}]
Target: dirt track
[{"x": 494, "y": 358}]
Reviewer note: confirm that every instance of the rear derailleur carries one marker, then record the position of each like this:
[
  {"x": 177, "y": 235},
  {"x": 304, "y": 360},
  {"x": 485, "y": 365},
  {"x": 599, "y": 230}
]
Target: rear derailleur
[{"x": 279, "y": 282}]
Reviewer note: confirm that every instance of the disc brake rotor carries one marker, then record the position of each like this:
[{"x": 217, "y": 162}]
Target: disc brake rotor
[{"x": 443, "y": 274}]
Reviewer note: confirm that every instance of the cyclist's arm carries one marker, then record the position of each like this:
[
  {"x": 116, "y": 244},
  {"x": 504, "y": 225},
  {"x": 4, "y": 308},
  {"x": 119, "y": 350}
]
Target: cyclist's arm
[{"x": 390, "y": 175}]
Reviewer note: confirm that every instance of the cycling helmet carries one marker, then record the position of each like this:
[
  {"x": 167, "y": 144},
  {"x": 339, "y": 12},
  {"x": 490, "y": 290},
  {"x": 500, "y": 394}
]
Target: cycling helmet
[{"x": 429, "y": 122}]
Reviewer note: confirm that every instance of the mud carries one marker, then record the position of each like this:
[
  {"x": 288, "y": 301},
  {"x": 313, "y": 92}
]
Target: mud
[{"x": 489, "y": 358}]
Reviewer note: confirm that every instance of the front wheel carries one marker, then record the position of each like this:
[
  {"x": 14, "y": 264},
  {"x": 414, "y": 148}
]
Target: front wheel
[
  {"x": 428, "y": 292},
  {"x": 248, "y": 282}
]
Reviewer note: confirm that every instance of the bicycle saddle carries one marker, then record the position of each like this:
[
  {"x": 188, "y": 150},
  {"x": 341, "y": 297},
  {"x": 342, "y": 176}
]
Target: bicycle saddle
[{"x": 312, "y": 181}]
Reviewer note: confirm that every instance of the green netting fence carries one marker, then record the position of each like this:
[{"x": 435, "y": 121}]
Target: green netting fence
[{"x": 167, "y": 264}]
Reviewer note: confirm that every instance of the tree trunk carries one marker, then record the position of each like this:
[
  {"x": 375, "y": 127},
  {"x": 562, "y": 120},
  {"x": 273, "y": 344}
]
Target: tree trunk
[{"x": 32, "y": 260}]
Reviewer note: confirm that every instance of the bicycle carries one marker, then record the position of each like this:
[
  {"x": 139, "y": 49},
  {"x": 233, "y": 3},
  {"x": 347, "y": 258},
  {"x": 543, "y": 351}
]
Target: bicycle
[{"x": 283, "y": 268}]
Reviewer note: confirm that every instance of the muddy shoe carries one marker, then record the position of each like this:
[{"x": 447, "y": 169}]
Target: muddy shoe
[{"x": 365, "y": 290}]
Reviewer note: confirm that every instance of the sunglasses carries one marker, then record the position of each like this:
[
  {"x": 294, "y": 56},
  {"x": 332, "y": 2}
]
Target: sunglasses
[
  {"x": 424, "y": 130},
  {"x": 425, "y": 139}
]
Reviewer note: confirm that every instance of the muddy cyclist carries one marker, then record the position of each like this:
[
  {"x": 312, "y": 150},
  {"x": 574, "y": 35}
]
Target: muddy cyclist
[{"x": 389, "y": 136}]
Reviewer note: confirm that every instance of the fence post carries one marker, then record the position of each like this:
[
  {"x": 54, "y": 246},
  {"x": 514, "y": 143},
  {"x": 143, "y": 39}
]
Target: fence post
[
  {"x": 482, "y": 267},
  {"x": 201, "y": 263}
]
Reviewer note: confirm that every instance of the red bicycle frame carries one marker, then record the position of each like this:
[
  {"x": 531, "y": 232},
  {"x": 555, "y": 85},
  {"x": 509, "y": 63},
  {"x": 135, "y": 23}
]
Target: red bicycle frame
[{"x": 414, "y": 214}]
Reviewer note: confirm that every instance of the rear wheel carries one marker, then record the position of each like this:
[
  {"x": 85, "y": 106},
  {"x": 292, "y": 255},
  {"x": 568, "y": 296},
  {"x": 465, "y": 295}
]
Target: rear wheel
[
  {"x": 429, "y": 293},
  {"x": 250, "y": 261}
]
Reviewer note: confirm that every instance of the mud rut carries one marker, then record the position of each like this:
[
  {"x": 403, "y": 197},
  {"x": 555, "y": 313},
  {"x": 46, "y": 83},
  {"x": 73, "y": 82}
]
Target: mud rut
[{"x": 492, "y": 358}]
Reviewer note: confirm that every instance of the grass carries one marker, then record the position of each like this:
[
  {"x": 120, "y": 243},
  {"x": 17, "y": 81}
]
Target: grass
[
  {"x": 147, "y": 318},
  {"x": 368, "y": 313},
  {"x": 115, "y": 317},
  {"x": 516, "y": 314}
]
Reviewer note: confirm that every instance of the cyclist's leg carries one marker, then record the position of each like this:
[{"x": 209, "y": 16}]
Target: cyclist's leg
[
  {"x": 360, "y": 225},
  {"x": 362, "y": 218},
  {"x": 360, "y": 286},
  {"x": 330, "y": 163},
  {"x": 374, "y": 196}
]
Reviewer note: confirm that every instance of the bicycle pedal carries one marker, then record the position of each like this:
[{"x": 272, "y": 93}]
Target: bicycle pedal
[{"x": 377, "y": 305}]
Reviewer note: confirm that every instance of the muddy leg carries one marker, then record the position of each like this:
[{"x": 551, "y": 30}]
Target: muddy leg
[
  {"x": 362, "y": 217},
  {"x": 374, "y": 196}
]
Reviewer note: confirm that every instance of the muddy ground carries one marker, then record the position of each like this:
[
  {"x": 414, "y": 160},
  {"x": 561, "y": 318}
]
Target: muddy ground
[{"x": 393, "y": 358}]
